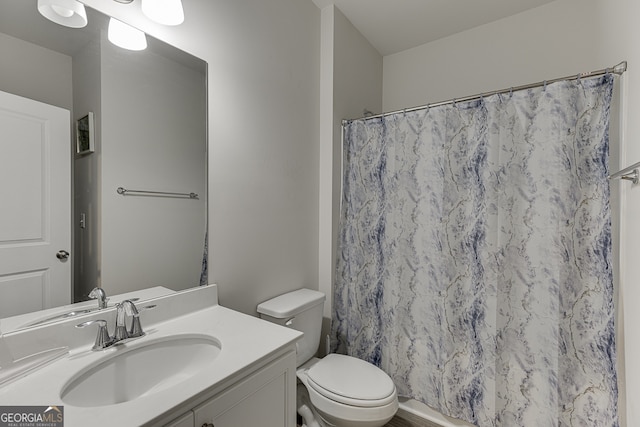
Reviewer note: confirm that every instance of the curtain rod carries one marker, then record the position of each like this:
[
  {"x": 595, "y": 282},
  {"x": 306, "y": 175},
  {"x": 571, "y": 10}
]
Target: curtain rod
[
  {"x": 618, "y": 69},
  {"x": 630, "y": 173}
]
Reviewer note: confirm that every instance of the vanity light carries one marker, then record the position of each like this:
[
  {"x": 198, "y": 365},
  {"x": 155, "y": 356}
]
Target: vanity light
[
  {"x": 69, "y": 13},
  {"x": 125, "y": 36},
  {"x": 165, "y": 12}
]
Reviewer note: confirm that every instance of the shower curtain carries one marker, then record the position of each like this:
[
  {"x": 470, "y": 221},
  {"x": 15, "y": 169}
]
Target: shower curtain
[{"x": 474, "y": 258}]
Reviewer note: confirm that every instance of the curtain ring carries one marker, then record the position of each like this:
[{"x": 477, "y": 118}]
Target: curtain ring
[
  {"x": 544, "y": 85},
  {"x": 510, "y": 91}
]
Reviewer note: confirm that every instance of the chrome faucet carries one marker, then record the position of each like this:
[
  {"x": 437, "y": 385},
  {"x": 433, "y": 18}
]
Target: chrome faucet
[
  {"x": 100, "y": 295},
  {"x": 121, "y": 333},
  {"x": 127, "y": 308}
]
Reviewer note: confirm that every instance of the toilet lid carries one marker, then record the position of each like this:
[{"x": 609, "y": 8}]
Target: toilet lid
[{"x": 351, "y": 381}]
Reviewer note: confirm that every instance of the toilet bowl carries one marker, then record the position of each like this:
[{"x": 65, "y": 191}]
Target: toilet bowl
[
  {"x": 348, "y": 392},
  {"x": 337, "y": 390}
]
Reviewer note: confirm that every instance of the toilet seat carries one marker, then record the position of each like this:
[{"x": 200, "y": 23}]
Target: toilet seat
[{"x": 351, "y": 381}]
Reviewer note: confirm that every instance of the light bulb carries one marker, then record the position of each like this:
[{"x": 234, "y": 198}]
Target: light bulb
[
  {"x": 165, "y": 12},
  {"x": 69, "y": 13},
  {"x": 62, "y": 11},
  {"x": 125, "y": 36}
]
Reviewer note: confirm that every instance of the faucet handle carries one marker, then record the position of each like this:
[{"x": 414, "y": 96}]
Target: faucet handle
[
  {"x": 120, "y": 332},
  {"x": 103, "y": 339},
  {"x": 124, "y": 309},
  {"x": 136, "y": 327},
  {"x": 129, "y": 307}
]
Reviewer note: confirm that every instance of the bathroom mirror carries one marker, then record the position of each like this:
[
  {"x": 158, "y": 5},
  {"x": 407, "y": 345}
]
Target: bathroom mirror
[{"x": 146, "y": 113}]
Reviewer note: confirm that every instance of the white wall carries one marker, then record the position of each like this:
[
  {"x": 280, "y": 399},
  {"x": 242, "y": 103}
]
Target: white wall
[
  {"x": 153, "y": 134},
  {"x": 34, "y": 72},
  {"x": 561, "y": 38},
  {"x": 86, "y": 172},
  {"x": 263, "y": 99},
  {"x": 351, "y": 81}
]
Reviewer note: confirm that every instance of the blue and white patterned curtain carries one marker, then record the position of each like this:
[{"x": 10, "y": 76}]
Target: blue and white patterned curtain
[{"x": 475, "y": 256}]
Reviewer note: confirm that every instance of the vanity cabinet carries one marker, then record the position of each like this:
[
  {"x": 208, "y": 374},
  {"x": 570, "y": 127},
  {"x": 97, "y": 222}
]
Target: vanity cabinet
[{"x": 265, "y": 398}]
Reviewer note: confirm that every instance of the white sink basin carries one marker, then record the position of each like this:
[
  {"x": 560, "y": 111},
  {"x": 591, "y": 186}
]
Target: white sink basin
[{"x": 141, "y": 370}]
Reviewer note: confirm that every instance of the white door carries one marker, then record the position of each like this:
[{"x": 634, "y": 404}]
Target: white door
[{"x": 35, "y": 205}]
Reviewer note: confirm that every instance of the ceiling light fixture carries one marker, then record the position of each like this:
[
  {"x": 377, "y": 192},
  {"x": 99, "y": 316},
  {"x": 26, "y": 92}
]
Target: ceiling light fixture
[
  {"x": 165, "y": 12},
  {"x": 69, "y": 13},
  {"x": 125, "y": 36}
]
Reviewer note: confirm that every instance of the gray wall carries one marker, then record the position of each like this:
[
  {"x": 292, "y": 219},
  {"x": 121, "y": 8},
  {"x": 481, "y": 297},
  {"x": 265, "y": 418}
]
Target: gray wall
[
  {"x": 351, "y": 81},
  {"x": 87, "y": 170},
  {"x": 152, "y": 138},
  {"x": 34, "y": 72}
]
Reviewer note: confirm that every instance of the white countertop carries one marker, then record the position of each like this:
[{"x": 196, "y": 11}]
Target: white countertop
[{"x": 245, "y": 341}]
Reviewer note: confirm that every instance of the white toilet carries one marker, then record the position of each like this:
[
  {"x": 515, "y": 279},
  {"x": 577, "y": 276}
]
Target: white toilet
[{"x": 337, "y": 390}]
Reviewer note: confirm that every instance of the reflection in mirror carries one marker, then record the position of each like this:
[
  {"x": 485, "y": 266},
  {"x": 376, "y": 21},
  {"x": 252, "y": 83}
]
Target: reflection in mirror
[{"x": 146, "y": 131}]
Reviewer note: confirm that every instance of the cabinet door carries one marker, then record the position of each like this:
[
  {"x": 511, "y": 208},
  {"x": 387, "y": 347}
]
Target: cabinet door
[{"x": 264, "y": 399}]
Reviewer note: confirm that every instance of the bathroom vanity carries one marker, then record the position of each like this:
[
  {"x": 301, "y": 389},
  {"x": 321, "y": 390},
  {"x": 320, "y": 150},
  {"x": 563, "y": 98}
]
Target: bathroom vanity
[
  {"x": 258, "y": 399},
  {"x": 198, "y": 364}
]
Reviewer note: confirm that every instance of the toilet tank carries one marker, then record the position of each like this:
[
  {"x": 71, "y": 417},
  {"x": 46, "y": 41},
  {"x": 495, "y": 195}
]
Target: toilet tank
[{"x": 302, "y": 311}]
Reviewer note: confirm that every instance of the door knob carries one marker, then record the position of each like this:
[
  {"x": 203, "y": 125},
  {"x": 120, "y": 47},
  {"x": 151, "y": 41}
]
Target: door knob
[{"x": 62, "y": 255}]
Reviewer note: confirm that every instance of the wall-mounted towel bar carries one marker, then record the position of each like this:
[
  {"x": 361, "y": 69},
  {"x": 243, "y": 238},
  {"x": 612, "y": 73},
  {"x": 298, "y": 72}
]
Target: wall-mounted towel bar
[
  {"x": 124, "y": 192},
  {"x": 630, "y": 173}
]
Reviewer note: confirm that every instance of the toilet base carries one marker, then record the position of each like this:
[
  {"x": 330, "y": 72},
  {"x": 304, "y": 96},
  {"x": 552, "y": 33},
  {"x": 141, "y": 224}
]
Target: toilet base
[
  {"x": 313, "y": 418},
  {"x": 305, "y": 408}
]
